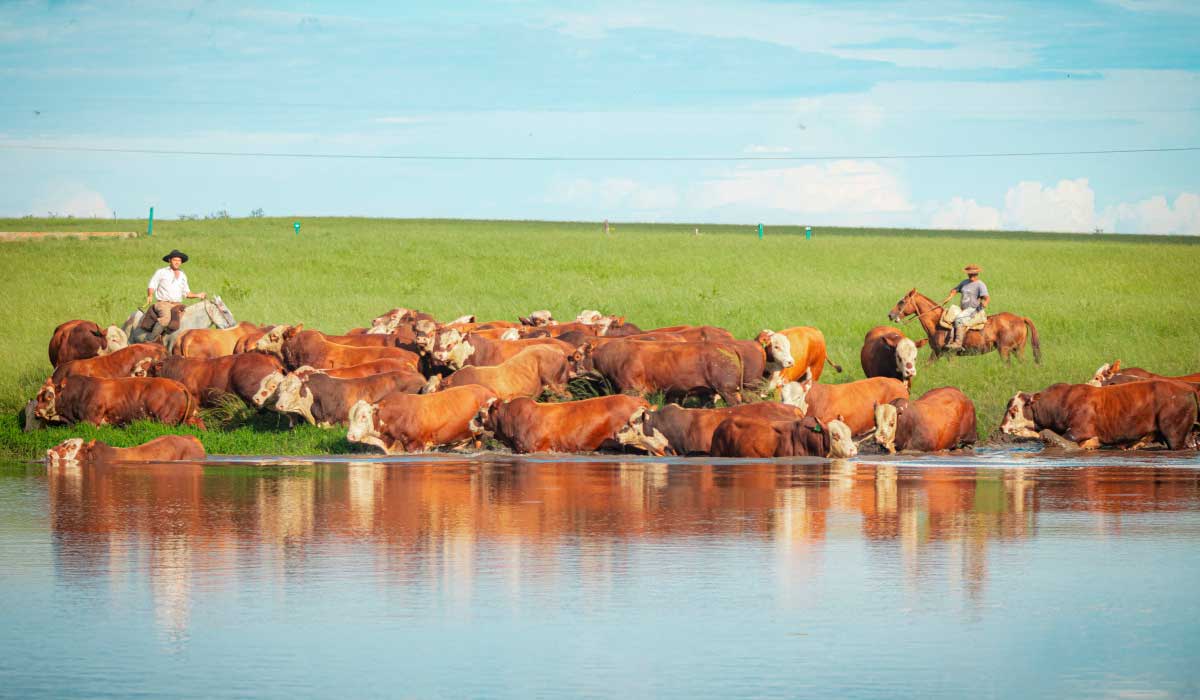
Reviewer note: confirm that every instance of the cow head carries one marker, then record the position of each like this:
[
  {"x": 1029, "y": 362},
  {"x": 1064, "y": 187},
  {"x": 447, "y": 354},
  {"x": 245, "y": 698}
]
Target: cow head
[
  {"x": 589, "y": 317},
  {"x": 580, "y": 359},
  {"x": 389, "y": 320},
  {"x": 484, "y": 420},
  {"x": 46, "y": 402},
  {"x": 364, "y": 425},
  {"x": 431, "y": 386},
  {"x": 887, "y": 415},
  {"x": 443, "y": 344},
  {"x": 1106, "y": 372},
  {"x": 905, "y": 307},
  {"x": 778, "y": 347},
  {"x": 294, "y": 396},
  {"x": 113, "y": 340},
  {"x": 906, "y": 359},
  {"x": 147, "y": 367},
  {"x": 511, "y": 334},
  {"x": 539, "y": 318},
  {"x": 268, "y": 387},
  {"x": 70, "y": 450},
  {"x": 841, "y": 441},
  {"x": 796, "y": 393},
  {"x": 425, "y": 332},
  {"x": 273, "y": 340},
  {"x": 634, "y": 434},
  {"x": 1018, "y": 416}
]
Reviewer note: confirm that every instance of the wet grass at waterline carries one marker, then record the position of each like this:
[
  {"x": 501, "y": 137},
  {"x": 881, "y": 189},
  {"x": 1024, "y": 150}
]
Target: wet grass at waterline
[{"x": 1093, "y": 298}]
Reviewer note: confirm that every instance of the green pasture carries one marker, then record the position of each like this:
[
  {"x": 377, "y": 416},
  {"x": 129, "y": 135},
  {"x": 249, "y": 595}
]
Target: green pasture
[{"x": 1093, "y": 297}]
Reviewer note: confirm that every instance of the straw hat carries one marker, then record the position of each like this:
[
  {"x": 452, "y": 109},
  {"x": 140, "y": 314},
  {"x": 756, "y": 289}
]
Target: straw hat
[{"x": 972, "y": 269}]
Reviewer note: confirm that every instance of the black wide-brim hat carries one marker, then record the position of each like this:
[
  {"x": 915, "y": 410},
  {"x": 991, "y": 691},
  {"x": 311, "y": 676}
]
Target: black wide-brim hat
[{"x": 174, "y": 254}]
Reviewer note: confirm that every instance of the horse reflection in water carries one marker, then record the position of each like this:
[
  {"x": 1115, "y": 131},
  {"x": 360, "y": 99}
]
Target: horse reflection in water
[{"x": 436, "y": 522}]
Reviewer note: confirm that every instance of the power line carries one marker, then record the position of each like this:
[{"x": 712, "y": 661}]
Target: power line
[{"x": 617, "y": 159}]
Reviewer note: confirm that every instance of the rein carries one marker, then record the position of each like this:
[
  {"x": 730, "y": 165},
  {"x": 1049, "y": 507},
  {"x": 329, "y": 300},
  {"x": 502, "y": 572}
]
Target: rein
[{"x": 918, "y": 314}]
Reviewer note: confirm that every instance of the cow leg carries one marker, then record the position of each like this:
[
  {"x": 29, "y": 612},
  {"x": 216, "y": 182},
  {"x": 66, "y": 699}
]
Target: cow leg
[
  {"x": 1052, "y": 438},
  {"x": 1092, "y": 443}
]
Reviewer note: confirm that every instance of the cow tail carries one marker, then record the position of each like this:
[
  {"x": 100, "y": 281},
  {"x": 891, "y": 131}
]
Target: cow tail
[
  {"x": 836, "y": 367},
  {"x": 1033, "y": 340}
]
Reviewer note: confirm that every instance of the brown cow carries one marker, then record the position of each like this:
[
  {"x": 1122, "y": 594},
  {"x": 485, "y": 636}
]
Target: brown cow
[
  {"x": 117, "y": 401},
  {"x": 1123, "y": 415},
  {"x": 741, "y": 436},
  {"x": 676, "y": 369},
  {"x": 1107, "y": 372},
  {"x": 207, "y": 343},
  {"x": 941, "y": 419},
  {"x": 131, "y": 361},
  {"x": 455, "y": 350},
  {"x": 797, "y": 350},
  {"x": 572, "y": 426},
  {"x": 401, "y": 423},
  {"x": 79, "y": 340},
  {"x": 853, "y": 403},
  {"x": 525, "y": 374},
  {"x": 251, "y": 376},
  {"x": 298, "y": 348},
  {"x": 168, "y": 448},
  {"x": 887, "y": 353},
  {"x": 366, "y": 369},
  {"x": 673, "y": 430},
  {"x": 324, "y": 400},
  {"x": 695, "y": 334}
]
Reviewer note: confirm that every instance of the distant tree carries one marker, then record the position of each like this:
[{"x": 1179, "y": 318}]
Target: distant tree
[{"x": 256, "y": 213}]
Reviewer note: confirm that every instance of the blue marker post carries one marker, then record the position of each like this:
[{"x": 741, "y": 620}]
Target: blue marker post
[
  {"x": 150, "y": 223},
  {"x": 297, "y": 227},
  {"x": 808, "y": 233},
  {"x": 760, "y": 232}
]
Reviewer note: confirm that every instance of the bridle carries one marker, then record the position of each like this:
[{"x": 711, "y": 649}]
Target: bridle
[{"x": 911, "y": 316}]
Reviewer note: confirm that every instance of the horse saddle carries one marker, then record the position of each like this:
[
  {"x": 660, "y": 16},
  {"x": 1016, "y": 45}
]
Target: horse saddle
[
  {"x": 150, "y": 318},
  {"x": 975, "y": 324}
]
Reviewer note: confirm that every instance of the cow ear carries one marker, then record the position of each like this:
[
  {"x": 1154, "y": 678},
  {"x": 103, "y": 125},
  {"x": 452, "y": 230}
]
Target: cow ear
[
  {"x": 841, "y": 418},
  {"x": 922, "y": 342},
  {"x": 1115, "y": 367},
  {"x": 91, "y": 443}
]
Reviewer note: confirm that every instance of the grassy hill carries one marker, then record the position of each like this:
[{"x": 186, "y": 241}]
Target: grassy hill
[{"x": 1093, "y": 297}]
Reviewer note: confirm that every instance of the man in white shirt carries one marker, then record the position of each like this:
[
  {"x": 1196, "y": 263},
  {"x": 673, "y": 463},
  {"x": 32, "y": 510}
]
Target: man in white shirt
[{"x": 168, "y": 287}]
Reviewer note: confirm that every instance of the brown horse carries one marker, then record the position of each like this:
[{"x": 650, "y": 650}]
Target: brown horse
[{"x": 1004, "y": 332}]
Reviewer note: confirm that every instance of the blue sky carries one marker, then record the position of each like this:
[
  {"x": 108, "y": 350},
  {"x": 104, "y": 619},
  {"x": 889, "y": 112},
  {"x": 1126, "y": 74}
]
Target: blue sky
[{"x": 644, "y": 79}]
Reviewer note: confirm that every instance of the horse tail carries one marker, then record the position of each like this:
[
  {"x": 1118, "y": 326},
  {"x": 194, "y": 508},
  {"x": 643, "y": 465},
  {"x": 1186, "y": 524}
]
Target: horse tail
[{"x": 1033, "y": 340}]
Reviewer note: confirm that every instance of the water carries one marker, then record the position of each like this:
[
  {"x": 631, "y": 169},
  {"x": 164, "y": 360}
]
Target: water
[{"x": 1010, "y": 575}]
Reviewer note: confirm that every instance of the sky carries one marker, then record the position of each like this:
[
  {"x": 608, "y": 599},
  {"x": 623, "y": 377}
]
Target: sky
[{"x": 802, "y": 109}]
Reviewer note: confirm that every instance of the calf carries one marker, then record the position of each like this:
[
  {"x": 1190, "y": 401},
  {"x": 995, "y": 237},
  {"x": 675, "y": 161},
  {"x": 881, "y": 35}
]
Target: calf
[
  {"x": 797, "y": 350},
  {"x": 251, "y": 376},
  {"x": 941, "y": 419},
  {"x": 131, "y": 361},
  {"x": 207, "y": 343},
  {"x": 325, "y": 400},
  {"x": 673, "y": 430},
  {"x": 1111, "y": 371},
  {"x": 79, "y": 339},
  {"x": 525, "y": 374},
  {"x": 168, "y": 448},
  {"x": 676, "y": 369},
  {"x": 853, "y": 403},
  {"x": 741, "y": 436},
  {"x": 401, "y": 423},
  {"x": 1130, "y": 415},
  {"x": 887, "y": 353},
  {"x": 117, "y": 401},
  {"x": 572, "y": 426}
]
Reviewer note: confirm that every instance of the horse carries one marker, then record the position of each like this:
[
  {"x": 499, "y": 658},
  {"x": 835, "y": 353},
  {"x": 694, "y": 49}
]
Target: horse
[
  {"x": 1004, "y": 332},
  {"x": 207, "y": 314}
]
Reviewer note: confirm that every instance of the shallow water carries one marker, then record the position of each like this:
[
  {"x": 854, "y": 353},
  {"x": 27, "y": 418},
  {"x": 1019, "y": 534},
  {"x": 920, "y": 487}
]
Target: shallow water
[{"x": 1009, "y": 574}]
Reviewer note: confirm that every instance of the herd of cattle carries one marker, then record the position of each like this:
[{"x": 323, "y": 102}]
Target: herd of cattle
[{"x": 410, "y": 383}]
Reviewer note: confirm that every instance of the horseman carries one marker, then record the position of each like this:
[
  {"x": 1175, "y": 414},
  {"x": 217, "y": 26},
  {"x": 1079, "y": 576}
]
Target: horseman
[
  {"x": 167, "y": 289},
  {"x": 974, "y": 300}
]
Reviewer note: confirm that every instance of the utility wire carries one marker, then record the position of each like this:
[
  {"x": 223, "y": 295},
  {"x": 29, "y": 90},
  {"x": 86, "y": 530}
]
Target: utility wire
[{"x": 618, "y": 159}]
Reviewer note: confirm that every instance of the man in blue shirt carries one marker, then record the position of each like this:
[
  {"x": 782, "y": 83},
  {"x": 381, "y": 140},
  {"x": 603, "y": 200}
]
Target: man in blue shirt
[{"x": 974, "y": 299}]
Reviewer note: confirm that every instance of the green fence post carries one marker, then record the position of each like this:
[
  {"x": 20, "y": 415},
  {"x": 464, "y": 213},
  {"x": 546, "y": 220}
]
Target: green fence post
[
  {"x": 760, "y": 232},
  {"x": 297, "y": 227},
  {"x": 150, "y": 223}
]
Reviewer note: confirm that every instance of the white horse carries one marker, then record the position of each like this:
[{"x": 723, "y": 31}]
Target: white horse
[{"x": 207, "y": 314}]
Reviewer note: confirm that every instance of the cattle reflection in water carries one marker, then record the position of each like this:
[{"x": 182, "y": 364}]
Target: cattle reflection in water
[{"x": 435, "y": 522}]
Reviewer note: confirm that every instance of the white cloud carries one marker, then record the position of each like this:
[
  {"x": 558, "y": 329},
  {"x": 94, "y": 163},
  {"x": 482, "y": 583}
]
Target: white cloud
[
  {"x": 844, "y": 186},
  {"x": 614, "y": 193},
  {"x": 767, "y": 150},
  {"x": 966, "y": 214},
  {"x": 72, "y": 200},
  {"x": 1156, "y": 215},
  {"x": 1068, "y": 206}
]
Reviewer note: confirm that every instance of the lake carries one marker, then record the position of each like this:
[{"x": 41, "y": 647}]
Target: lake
[{"x": 1008, "y": 574}]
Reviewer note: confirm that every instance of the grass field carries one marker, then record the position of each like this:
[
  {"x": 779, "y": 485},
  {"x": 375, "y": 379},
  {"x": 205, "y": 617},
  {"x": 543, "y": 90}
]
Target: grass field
[{"x": 1093, "y": 298}]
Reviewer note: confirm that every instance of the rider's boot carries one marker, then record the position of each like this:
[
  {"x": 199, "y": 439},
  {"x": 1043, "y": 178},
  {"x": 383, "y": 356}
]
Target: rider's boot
[{"x": 956, "y": 333}]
